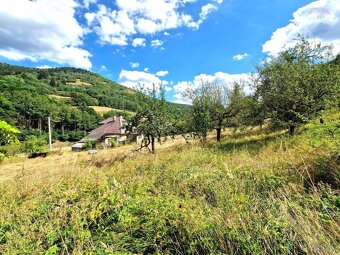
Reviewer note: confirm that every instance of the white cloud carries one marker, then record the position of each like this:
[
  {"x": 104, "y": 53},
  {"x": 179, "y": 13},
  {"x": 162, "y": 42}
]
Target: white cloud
[
  {"x": 44, "y": 67},
  {"x": 162, "y": 73},
  {"x": 219, "y": 78},
  {"x": 167, "y": 88},
  {"x": 42, "y": 30},
  {"x": 156, "y": 43},
  {"x": 145, "y": 17},
  {"x": 240, "y": 57},
  {"x": 319, "y": 21},
  {"x": 134, "y": 64},
  {"x": 139, "y": 42},
  {"x": 88, "y": 2},
  {"x": 132, "y": 79},
  {"x": 146, "y": 26},
  {"x": 103, "y": 67},
  {"x": 206, "y": 9}
]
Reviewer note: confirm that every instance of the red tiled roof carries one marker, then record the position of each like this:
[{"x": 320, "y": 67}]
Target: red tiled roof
[
  {"x": 107, "y": 127},
  {"x": 107, "y": 120}
]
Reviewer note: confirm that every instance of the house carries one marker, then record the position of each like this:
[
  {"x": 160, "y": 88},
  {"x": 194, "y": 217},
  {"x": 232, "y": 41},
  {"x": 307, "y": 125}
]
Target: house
[{"x": 110, "y": 130}]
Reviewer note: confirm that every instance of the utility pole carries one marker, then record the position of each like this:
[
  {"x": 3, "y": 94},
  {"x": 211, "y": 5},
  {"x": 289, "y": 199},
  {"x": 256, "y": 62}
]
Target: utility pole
[{"x": 49, "y": 132}]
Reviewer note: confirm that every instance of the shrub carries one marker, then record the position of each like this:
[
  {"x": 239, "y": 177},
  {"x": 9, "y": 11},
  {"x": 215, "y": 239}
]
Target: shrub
[
  {"x": 74, "y": 136},
  {"x": 8, "y": 134},
  {"x": 26, "y": 133},
  {"x": 113, "y": 142},
  {"x": 34, "y": 144},
  {"x": 2, "y": 157},
  {"x": 11, "y": 149},
  {"x": 89, "y": 145}
]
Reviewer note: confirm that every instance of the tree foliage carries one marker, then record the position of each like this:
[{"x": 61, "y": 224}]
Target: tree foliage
[
  {"x": 297, "y": 84},
  {"x": 216, "y": 106},
  {"x": 8, "y": 134},
  {"x": 152, "y": 118}
]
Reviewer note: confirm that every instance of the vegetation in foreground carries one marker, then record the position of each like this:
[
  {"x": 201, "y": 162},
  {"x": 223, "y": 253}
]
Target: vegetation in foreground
[{"x": 253, "y": 193}]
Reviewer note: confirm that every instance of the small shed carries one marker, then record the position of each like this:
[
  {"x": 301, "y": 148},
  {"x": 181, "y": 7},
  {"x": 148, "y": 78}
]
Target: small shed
[{"x": 77, "y": 146}]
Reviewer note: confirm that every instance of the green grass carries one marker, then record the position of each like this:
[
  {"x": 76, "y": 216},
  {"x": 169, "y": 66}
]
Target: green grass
[{"x": 264, "y": 193}]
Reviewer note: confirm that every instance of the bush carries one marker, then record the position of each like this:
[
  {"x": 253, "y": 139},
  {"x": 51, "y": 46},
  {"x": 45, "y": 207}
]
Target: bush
[
  {"x": 63, "y": 137},
  {"x": 89, "y": 145},
  {"x": 113, "y": 143},
  {"x": 74, "y": 136},
  {"x": 34, "y": 144},
  {"x": 8, "y": 134},
  {"x": 11, "y": 149},
  {"x": 2, "y": 157},
  {"x": 26, "y": 133}
]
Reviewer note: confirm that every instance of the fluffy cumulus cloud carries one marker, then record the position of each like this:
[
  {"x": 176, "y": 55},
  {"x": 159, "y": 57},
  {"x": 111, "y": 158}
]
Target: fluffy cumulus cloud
[
  {"x": 162, "y": 73},
  {"x": 319, "y": 21},
  {"x": 42, "y": 30},
  {"x": 240, "y": 57},
  {"x": 132, "y": 79},
  {"x": 146, "y": 17},
  {"x": 134, "y": 64},
  {"x": 219, "y": 78},
  {"x": 156, "y": 43},
  {"x": 139, "y": 42}
]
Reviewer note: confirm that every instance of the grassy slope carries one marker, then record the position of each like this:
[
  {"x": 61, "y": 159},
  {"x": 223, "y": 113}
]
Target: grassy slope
[
  {"x": 255, "y": 193},
  {"x": 101, "y": 90}
]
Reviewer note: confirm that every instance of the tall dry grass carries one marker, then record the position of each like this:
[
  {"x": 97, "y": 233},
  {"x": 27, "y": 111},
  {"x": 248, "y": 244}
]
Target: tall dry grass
[{"x": 255, "y": 193}]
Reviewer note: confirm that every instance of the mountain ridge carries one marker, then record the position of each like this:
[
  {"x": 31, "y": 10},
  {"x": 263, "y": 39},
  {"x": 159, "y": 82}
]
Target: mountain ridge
[{"x": 29, "y": 95}]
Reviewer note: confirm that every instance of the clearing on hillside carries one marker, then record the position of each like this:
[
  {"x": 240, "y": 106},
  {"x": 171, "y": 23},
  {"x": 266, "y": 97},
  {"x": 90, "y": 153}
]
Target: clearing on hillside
[
  {"x": 59, "y": 97},
  {"x": 78, "y": 82},
  {"x": 102, "y": 110}
]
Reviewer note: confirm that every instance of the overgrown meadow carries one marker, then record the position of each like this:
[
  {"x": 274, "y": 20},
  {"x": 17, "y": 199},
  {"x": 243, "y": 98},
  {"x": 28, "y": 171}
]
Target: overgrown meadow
[{"x": 256, "y": 192}]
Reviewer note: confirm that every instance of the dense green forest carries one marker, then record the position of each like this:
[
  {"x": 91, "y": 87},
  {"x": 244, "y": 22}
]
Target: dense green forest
[{"x": 29, "y": 95}]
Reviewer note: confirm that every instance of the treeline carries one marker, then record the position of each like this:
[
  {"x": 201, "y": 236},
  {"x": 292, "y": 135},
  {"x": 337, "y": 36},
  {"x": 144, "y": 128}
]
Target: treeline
[{"x": 288, "y": 90}]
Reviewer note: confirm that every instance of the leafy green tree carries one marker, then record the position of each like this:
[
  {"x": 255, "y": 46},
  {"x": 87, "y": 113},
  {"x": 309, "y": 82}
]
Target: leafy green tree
[
  {"x": 8, "y": 134},
  {"x": 202, "y": 103},
  {"x": 53, "y": 82},
  {"x": 297, "y": 84},
  {"x": 43, "y": 74},
  {"x": 152, "y": 119},
  {"x": 216, "y": 106},
  {"x": 202, "y": 123}
]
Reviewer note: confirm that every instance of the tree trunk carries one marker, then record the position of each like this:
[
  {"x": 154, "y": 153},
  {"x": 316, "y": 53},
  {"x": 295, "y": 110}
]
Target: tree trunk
[
  {"x": 153, "y": 144},
  {"x": 291, "y": 129},
  {"x": 218, "y": 134},
  {"x": 63, "y": 130},
  {"x": 204, "y": 138},
  {"x": 39, "y": 124}
]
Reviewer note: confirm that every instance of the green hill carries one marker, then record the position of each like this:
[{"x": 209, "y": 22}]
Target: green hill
[
  {"x": 257, "y": 192},
  {"x": 29, "y": 95}
]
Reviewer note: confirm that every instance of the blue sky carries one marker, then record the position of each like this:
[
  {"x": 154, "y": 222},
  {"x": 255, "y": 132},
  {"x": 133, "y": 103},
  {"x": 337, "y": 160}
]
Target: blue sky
[{"x": 176, "y": 42}]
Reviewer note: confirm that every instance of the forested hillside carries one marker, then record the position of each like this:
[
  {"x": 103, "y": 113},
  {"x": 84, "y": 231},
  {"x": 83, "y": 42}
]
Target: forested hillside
[{"x": 29, "y": 95}]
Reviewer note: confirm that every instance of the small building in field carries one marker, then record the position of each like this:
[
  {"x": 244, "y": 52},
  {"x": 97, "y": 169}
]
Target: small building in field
[{"x": 110, "y": 131}]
